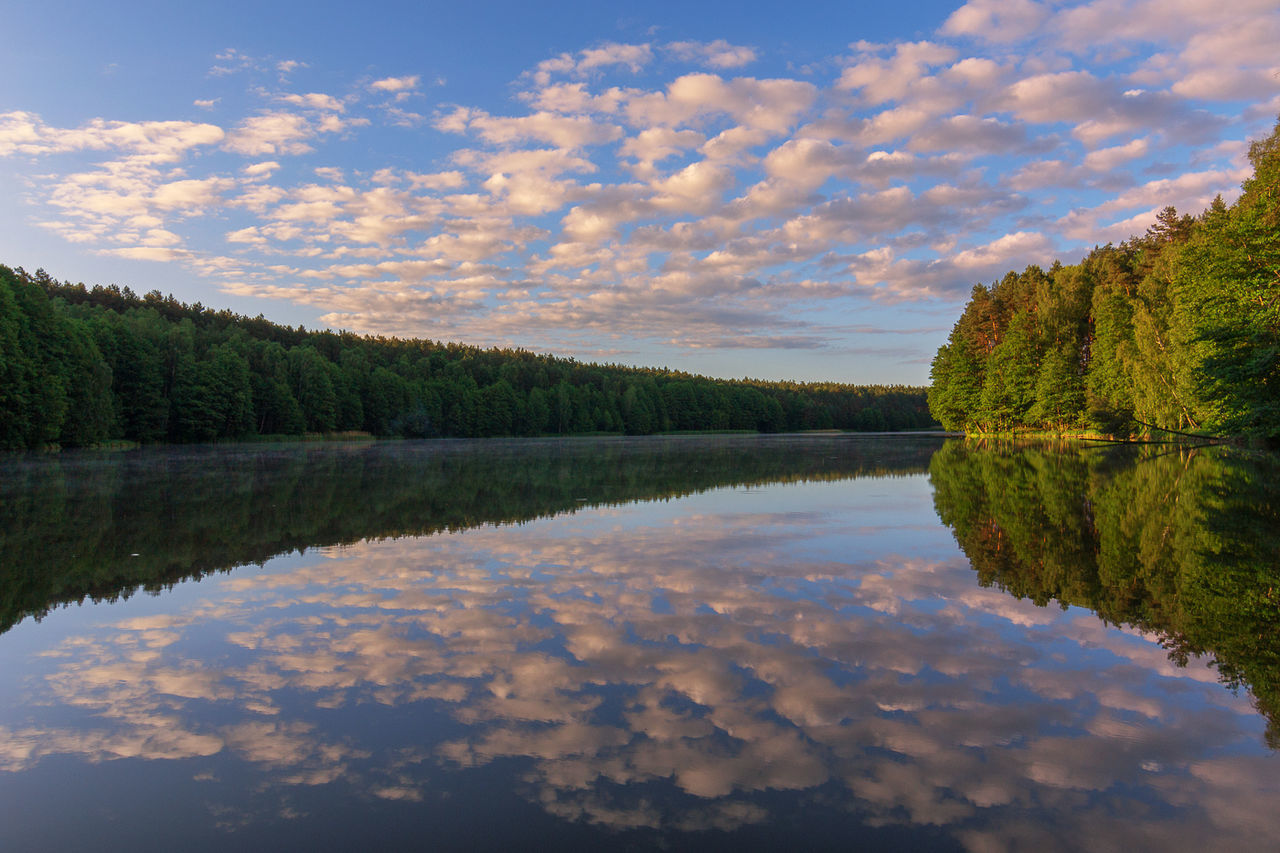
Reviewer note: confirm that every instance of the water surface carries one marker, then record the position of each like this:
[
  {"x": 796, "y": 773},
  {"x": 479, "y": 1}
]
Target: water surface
[{"x": 695, "y": 643}]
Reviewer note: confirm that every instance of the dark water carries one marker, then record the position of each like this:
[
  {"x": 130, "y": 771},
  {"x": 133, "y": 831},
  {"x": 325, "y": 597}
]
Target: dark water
[{"x": 682, "y": 643}]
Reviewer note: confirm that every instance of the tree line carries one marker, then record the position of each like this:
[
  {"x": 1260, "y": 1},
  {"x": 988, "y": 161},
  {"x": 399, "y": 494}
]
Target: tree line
[
  {"x": 1178, "y": 329},
  {"x": 79, "y": 366}
]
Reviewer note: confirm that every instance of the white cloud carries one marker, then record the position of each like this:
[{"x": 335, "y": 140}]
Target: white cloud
[
  {"x": 658, "y": 143},
  {"x": 1064, "y": 96},
  {"x": 880, "y": 80},
  {"x": 575, "y": 98},
  {"x": 633, "y": 57},
  {"x": 695, "y": 188},
  {"x": 148, "y": 141},
  {"x": 1006, "y": 252},
  {"x": 716, "y": 54},
  {"x": 147, "y": 253},
  {"x": 190, "y": 196},
  {"x": 771, "y": 105},
  {"x": 1106, "y": 159},
  {"x": 1190, "y": 192},
  {"x": 953, "y": 276},
  {"x": 559, "y": 130},
  {"x": 613, "y": 194},
  {"x": 263, "y": 169},
  {"x": 395, "y": 84},
  {"x": 271, "y": 133},
  {"x": 997, "y": 20},
  {"x": 437, "y": 180},
  {"x": 967, "y": 134},
  {"x": 314, "y": 101}
]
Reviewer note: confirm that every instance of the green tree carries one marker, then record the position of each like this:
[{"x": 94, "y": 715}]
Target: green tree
[
  {"x": 87, "y": 377},
  {"x": 16, "y": 371},
  {"x": 1009, "y": 384},
  {"x": 959, "y": 369},
  {"x": 538, "y": 412},
  {"x": 312, "y": 387},
  {"x": 1230, "y": 281}
]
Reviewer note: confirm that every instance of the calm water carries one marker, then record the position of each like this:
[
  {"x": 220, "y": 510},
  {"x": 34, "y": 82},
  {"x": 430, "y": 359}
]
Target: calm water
[{"x": 840, "y": 643}]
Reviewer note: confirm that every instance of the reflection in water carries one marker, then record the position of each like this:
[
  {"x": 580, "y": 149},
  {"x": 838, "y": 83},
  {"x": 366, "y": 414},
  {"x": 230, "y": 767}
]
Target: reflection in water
[
  {"x": 1182, "y": 543},
  {"x": 807, "y": 663},
  {"x": 98, "y": 525}
]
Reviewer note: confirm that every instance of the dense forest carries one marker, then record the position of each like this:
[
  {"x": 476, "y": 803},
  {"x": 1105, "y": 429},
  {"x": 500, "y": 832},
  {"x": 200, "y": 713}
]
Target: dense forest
[
  {"x": 79, "y": 366},
  {"x": 1177, "y": 543},
  {"x": 91, "y": 525},
  {"x": 1176, "y": 330}
]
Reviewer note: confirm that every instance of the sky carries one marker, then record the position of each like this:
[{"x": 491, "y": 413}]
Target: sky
[{"x": 784, "y": 191}]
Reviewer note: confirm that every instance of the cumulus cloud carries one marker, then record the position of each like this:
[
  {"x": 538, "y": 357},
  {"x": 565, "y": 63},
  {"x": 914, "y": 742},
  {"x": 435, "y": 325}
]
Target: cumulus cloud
[
  {"x": 889, "y": 79},
  {"x": 619, "y": 189},
  {"x": 884, "y": 272},
  {"x": 1106, "y": 159},
  {"x": 716, "y": 54},
  {"x": 149, "y": 141},
  {"x": 395, "y": 84},
  {"x": 262, "y": 169},
  {"x": 633, "y": 57},
  {"x": 1205, "y": 50},
  {"x": 770, "y": 105},
  {"x": 1004, "y": 253},
  {"x": 1193, "y": 191},
  {"x": 559, "y": 130},
  {"x": 997, "y": 20},
  {"x": 655, "y": 144},
  {"x": 271, "y": 133},
  {"x": 314, "y": 101},
  {"x": 967, "y": 134}
]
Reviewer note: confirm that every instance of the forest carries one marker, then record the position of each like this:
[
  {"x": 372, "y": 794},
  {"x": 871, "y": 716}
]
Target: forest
[
  {"x": 81, "y": 366},
  {"x": 1176, "y": 330}
]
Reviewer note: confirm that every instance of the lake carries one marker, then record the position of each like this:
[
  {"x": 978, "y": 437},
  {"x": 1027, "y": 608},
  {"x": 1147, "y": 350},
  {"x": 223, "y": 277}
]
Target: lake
[{"x": 737, "y": 642}]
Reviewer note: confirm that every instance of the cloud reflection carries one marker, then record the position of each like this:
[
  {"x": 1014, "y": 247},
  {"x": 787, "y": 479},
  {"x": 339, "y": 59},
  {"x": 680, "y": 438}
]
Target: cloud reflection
[{"x": 709, "y": 648}]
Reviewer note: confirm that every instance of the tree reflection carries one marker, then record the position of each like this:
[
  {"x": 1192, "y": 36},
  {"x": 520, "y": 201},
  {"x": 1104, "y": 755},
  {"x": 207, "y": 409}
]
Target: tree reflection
[
  {"x": 762, "y": 662},
  {"x": 104, "y": 525},
  {"x": 1182, "y": 542}
]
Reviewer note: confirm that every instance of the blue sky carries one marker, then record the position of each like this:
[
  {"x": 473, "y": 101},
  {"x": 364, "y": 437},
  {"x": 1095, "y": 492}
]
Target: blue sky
[{"x": 784, "y": 191}]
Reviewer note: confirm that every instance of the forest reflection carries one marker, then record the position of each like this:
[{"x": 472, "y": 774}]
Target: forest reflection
[
  {"x": 100, "y": 525},
  {"x": 811, "y": 650},
  {"x": 1180, "y": 542}
]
